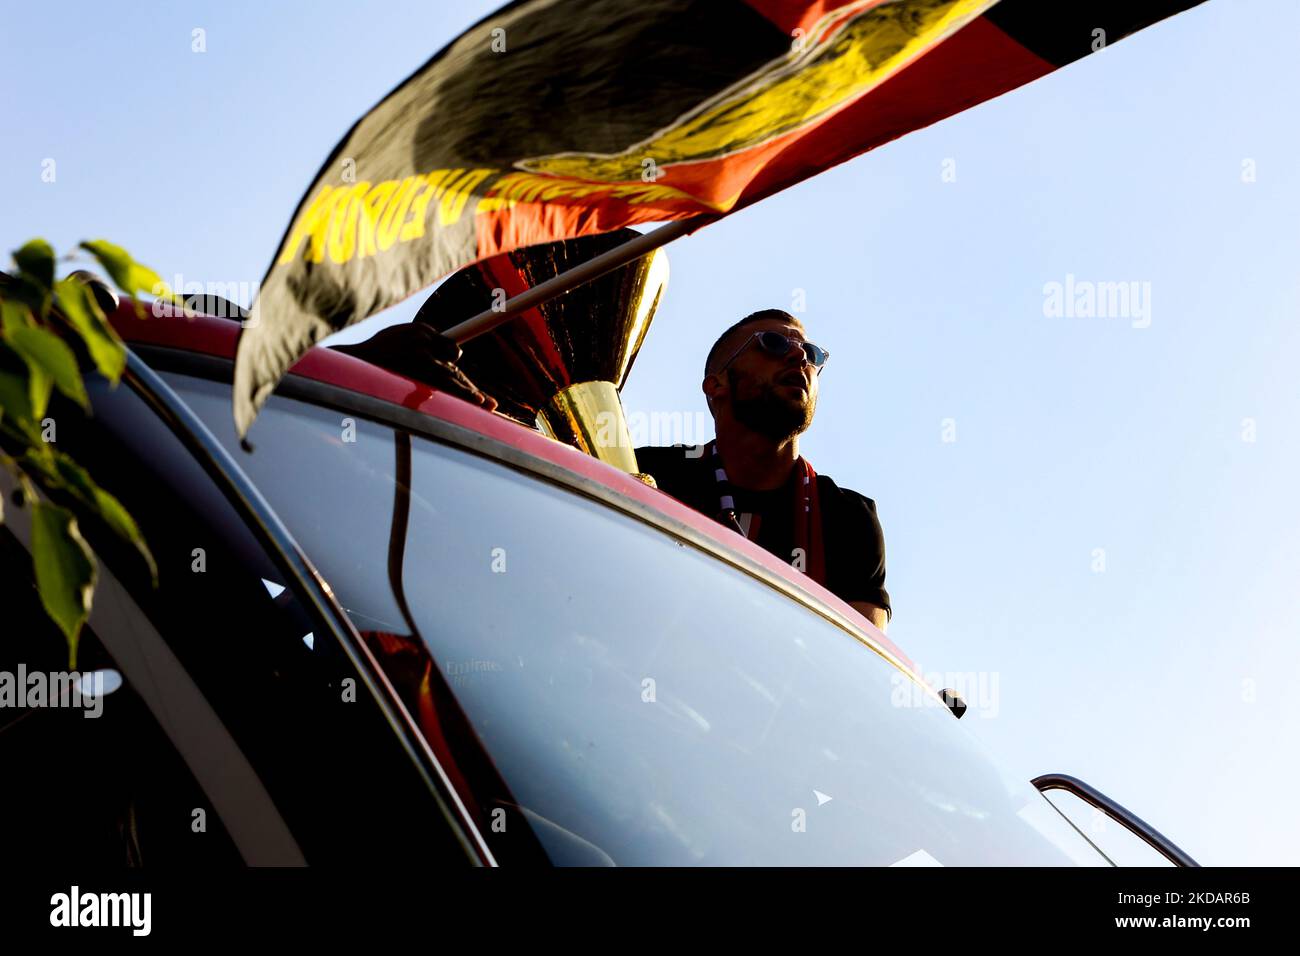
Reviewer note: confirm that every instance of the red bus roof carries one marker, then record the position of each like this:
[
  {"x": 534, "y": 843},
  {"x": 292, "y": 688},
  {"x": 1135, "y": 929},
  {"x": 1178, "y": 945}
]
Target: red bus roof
[{"x": 165, "y": 326}]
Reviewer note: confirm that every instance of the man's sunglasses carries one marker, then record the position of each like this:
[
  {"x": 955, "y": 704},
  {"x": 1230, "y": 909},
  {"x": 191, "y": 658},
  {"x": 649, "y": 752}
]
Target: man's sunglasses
[{"x": 774, "y": 343}]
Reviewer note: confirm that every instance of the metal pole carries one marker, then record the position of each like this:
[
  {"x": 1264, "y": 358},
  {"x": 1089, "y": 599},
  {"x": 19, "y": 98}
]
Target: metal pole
[{"x": 489, "y": 319}]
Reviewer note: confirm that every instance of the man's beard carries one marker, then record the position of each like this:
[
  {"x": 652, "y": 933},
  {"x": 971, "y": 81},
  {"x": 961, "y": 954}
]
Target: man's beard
[{"x": 770, "y": 413}]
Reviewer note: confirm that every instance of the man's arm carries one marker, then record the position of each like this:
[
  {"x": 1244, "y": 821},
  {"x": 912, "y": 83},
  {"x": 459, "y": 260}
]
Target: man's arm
[
  {"x": 421, "y": 353},
  {"x": 876, "y": 615},
  {"x": 856, "y": 545}
]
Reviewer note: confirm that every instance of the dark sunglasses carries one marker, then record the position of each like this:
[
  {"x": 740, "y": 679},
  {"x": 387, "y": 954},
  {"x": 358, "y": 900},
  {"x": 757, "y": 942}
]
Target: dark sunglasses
[{"x": 774, "y": 343}]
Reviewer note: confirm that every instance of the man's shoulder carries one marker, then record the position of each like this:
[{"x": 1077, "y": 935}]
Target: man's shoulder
[
  {"x": 845, "y": 497},
  {"x": 677, "y": 469},
  {"x": 671, "y": 456}
]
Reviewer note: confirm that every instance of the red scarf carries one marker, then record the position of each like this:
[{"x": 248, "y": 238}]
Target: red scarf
[{"x": 806, "y": 520}]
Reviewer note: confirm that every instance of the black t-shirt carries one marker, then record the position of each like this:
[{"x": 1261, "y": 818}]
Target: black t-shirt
[{"x": 851, "y": 533}]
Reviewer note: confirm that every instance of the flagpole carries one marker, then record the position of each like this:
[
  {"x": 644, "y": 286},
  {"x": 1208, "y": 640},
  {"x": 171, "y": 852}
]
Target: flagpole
[{"x": 489, "y": 319}]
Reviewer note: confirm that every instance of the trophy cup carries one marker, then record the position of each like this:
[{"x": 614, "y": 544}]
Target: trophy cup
[{"x": 559, "y": 366}]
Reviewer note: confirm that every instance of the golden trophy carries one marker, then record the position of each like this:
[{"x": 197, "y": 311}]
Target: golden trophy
[{"x": 558, "y": 367}]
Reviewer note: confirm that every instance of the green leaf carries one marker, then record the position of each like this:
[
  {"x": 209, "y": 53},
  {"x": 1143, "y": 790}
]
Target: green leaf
[
  {"x": 15, "y": 399},
  {"x": 17, "y": 389},
  {"x": 129, "y": 276},
  {"x": 15, "y": 315},
  {"x": 38, "y": 384},
  {"x": 45, "y": 351},
  {"x": 101, "y": 503},
  {"x": 65, "y": 571},
  {"x": 28, "y": 293},
  {"x": 39, "y": 387},
  {"x": 35, "y": 261},
  {"x": 102, "y": 341}
]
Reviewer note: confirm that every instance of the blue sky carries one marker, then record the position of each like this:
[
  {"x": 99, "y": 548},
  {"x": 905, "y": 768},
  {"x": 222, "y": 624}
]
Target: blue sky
[{"x": 1161, "y": 679}]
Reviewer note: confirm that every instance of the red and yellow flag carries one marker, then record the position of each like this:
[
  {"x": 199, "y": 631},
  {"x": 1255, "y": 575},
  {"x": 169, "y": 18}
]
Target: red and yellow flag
[{"x": 558, "y": 118}]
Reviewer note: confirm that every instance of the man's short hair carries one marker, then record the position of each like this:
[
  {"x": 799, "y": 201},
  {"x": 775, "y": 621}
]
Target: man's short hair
[{"x": 762, "y": 315}]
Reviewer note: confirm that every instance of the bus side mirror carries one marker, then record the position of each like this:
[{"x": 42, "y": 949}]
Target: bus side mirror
[{"x": 1125, "y": 818}]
